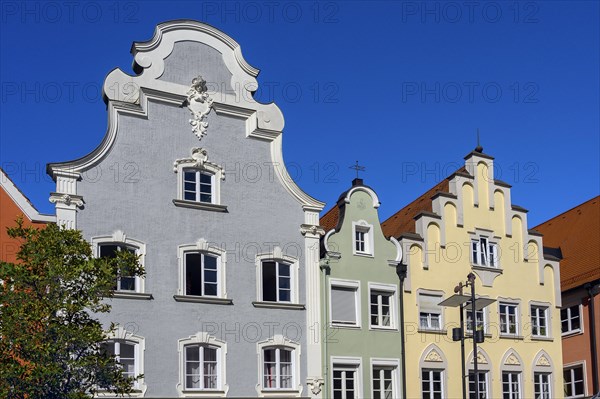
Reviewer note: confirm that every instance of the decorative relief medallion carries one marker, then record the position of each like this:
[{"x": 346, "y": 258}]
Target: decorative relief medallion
[
  {"x": 198, "y": 159},
  {"x": 543, "y": 361},
  {"x": 199, "y": 103},
  {"x": 512, "y": 360},
  {"x": 315, "y": 384},
  {"x": 433, "y": 356}
]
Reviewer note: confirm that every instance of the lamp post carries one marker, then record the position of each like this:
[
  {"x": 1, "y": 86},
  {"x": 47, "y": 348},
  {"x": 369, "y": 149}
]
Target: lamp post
[{"x": 459, "y": 300}]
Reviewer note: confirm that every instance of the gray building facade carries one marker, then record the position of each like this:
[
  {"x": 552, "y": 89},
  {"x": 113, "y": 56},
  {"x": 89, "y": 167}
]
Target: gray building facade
[{"x": 190, "y": 176}]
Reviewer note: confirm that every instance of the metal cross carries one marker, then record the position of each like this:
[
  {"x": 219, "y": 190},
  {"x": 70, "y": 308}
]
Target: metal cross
[{"x": 357, "y": 168}]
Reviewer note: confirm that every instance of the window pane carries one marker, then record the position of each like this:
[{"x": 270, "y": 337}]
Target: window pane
[
  {"x": 269, "y": 368},
  {"x": 127, "y": 283},
  {"x": 343, "y": 305},
  {"x": 189, "y": 176},
  {"x": 108, "y": 250},
  {"x": 269, "y": 281},
  {"x": 205, "y": 178},
  {"x": 193, "y": 274}
]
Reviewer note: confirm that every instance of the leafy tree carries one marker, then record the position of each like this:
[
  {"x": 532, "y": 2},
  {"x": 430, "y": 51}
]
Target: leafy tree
[{"x": 49, "y": 338}]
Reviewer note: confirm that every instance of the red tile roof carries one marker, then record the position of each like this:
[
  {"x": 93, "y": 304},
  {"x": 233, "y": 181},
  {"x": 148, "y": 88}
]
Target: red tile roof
[
  {"x": 329, "y": 220},
  {"x": 577, "y": 233}
]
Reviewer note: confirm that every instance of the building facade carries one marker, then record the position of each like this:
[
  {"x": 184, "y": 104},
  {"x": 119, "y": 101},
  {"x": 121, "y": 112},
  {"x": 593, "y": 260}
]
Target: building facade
[
  {"x": 362, "y": 346},
  {"x": 468, "y": 224},
  {"x": 190, "y": 176},
  {"x": 574, "y": 236},
  {"x": 13, "y": 205}
]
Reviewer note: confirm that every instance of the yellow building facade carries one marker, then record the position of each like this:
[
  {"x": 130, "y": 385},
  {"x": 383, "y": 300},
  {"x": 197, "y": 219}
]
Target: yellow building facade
[{"x": 467, "y": 223}]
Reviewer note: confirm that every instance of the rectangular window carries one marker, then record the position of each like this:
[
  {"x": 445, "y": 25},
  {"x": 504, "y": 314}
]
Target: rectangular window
[
  {"x": 197, "y": 186},
  {"x": 431, "y": 384},
  {"x": 359, "y": 242},
  {"x": 541, "y": 384},
  {"x": 480, "y": 322},
  {"x": 345, "y": 385},
  {"x": 508, "y": 318},
  {"x": 574, "y": 382},
  {"x": 430, "y": 313},
  {"x": 381, "y": 308},
  {"x": 484, "y": 253},
  {"x": 201, "y": 367},
  {"x": 570, "y": 320},
  {"x": 201, "y": 274},
  {"x": 125, "y": 282},
  {"x": 278, "y": 368},
  {"x": 276, "y": 282},
  {"x": 483, "y": 393},
  {"x": 383, "y": 382},
  {"x": 344, "y": 305},
  {"x": 511, "y": 385},
  {"x": 539, "y": 321}
]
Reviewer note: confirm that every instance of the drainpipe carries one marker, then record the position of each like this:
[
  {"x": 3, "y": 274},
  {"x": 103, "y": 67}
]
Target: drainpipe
[
  {"x": 401, "y": 271},
  {"x": 325, "y": 268},
  {"x": 592, "y": 291}
]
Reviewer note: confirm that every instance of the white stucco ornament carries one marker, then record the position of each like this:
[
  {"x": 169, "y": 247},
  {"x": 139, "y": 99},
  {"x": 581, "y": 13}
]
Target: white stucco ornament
[{"x": 200, "y": 104}]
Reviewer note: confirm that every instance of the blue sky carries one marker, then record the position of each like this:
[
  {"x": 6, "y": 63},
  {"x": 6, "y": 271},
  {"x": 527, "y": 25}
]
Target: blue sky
[{"x": 399, "y": 86}]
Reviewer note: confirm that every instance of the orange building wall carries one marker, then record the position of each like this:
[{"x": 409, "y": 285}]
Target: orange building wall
[
  {"x": 9, "y": 211},
  {"x": 577, "y": 348}
]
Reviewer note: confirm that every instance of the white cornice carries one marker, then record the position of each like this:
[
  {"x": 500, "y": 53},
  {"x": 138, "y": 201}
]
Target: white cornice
[{"x": 22, "y": 202}]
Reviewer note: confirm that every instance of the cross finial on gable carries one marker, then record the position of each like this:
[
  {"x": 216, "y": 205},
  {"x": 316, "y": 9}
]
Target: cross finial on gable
[
  {"x": 479, "y": 148},
  {"x": 357, "y": 168}
]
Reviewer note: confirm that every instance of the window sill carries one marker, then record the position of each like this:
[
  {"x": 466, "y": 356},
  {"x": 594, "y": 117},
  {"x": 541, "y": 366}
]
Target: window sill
[
  {"x": 432, "y": 331},
  {"x": 132, "y": 295},
  {"x": 571, "y": 333},
  {"x": 108, "y": 394},
  {"x": 203, "y": 393},
  {"x": 363, "y": 254},
  {"x": 541, "y": 338},
  {"x": 492, "y": 269},
  {"x": 203, "y": 299},
  {"x": 279, "y": 393},
  {"x": 200, "y": 205},
  {"x": 278, "y": 305},
  {"x": 382, "y": 328},
  {"x": 468, "y": 334},
  {"x": 511, "y": 336},
  {"x": 345, "y": 326}
]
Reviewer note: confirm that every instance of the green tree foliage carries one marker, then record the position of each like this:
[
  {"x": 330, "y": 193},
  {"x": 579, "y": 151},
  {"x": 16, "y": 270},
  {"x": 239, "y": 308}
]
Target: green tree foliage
[{"x": 49, "y": 338}]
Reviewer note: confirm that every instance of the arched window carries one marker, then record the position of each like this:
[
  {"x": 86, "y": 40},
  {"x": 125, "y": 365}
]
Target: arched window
[
  {"x": 126, "y": 285},
  {"x": 279, "y": 367},
  {"x": 128, "y": 350},
  {"x": 202, "y": 366}
]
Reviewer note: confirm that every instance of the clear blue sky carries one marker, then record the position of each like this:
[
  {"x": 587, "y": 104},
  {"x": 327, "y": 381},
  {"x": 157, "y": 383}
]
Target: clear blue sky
[{"x": 399, "y": 86}]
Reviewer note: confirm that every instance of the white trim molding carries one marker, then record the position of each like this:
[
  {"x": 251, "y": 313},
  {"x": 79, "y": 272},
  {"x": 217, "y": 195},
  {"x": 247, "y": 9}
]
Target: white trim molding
[
  {"x": 369, "y": 243},
  {"x": 22, "y": 202},
  {"x": 279, "y": 341},
  {"x": 350, "y": 284},
  {"x": 277, "y": 255},
  {"x": 394, "y": 364},
  {"x": 348, "y": 361},
  {"x": 392, "y": 290},
  {"x": 120, "y": 333},
  {"x": 204, "y": 339},
  {"x": 204, "y": 247},
  {"x": 119, "y": 237}
]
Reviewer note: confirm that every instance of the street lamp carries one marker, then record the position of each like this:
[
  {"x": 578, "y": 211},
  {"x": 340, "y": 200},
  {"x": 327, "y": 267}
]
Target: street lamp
[{"x": 459, "y": 300}]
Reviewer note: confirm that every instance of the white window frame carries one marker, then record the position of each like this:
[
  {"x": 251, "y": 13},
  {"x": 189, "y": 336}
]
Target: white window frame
[
  {"x": 486, "y": 381},
  {"x": 120, "y": 333},
  {"x": 537, "y": 382},
  {"x": 519, "y": 383},
  {"x": 570, "y": 367},
  {"x": 279, "y": 341},
  {"x": 277, "y": 256},
  {"x": 197, "y": 185},
  {"x": 534, "y": 310},
  {"x": 517, "y": 306},
  {"x": 203, "y": 339},
  {"x": 347, "y": 363},
  {"x": 119, "y": 238},
  {"x": 483, "y": 312},
  {"x": 389, "y": 290},
  {"x": 486, "y": 256},
  {"x": 199, "y": 162},
  {"x": 394, "y": 365},
  {"x": 202, "y": 246},
  {"x": 429, "y": 327},
  {"x": 572, "y": 331},
  {"x": 366, "y": 228},
  {"x": 349, "y": 284},
  {"x": 430, "y": 371}
]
